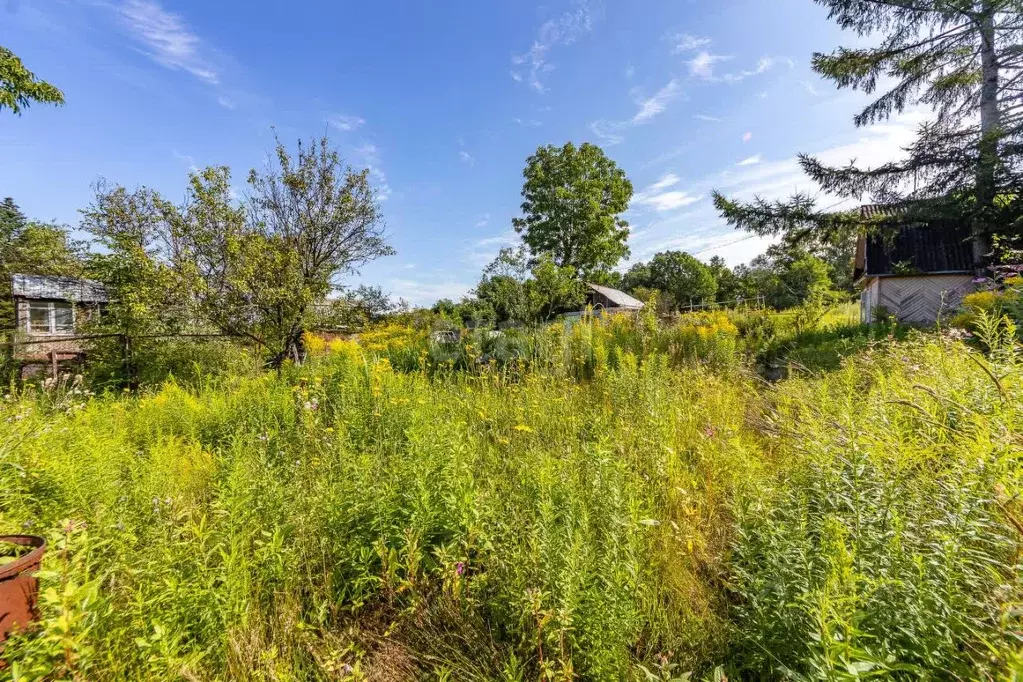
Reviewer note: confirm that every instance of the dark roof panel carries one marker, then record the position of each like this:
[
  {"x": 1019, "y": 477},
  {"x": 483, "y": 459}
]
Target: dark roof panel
[{"x": 923, "y": 248}]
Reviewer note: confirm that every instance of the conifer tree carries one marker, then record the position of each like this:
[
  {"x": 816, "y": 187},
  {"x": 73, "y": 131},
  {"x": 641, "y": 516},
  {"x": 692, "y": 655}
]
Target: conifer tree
[{"x": 961, "y": 58}]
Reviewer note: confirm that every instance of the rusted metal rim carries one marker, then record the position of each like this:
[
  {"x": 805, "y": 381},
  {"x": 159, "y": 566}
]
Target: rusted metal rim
[{"x": 30, "y": 560}]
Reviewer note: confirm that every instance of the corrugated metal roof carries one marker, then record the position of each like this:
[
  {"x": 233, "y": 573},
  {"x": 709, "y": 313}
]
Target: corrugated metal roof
[
  {"x": 878, "y": 210},
  {"x": 922, "y": 247},
  {"x": 619, "y": 298},
  {"x": 934, "y": 247},
  {"x": 58, "y": 288}
]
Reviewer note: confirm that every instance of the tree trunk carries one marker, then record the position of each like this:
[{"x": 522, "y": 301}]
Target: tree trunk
[{"x": 989, "y": 132}]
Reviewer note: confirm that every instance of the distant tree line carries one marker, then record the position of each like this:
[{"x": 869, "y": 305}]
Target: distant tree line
[{"x": 784, "y": 276}]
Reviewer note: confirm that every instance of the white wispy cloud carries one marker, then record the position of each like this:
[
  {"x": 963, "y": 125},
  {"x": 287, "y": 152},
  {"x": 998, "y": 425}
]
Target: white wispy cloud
[
  {"x": 345, "y": 123},
  {"x": 610, "y": 132},
  {"x": 226, "y": 102},
  {"x": 669, "y": 180},
  {"x": 702, "y": 65},
  {"x": 652, "y": 106},
  {"x": 665, "y": 201},
  {"x": 527, "y": 123},
  {"x": 504, "y": 239},
  {"x": 685, "y": 42},
  {"x": 809, "y": 87},
  {"x": 705, "y": 117},
  {"x": 532, "y": 65},
  {"x": 467, "y": 158},
  {"x": 167, "y": 39},
  {"x": 186, "y": 159},
  {"x": 483, "y": 221},
  {"x": 751, "y": 160},
  {"x": 485, "y": 250},
  {"x": 369, "y": 155},
  {"x": 657, "y": 198},
  {"x": 747, "y": 136},
  {"x": 763, "y": 66}
]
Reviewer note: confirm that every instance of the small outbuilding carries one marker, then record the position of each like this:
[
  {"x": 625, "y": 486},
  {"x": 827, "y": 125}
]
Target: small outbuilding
[
  {"x": 48, "y": 313},
  {"x": 611, "y": 300},
  {"x": 917, "y": 275}
]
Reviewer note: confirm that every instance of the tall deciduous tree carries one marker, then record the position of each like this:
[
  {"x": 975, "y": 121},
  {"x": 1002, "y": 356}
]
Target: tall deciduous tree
[
  {"x": 19, "y": 87},
  {"x": 963, "y": 59},
  {"x": 573, "y": 198},
  {"x": 727, "y": 283},
  {"x": 257, "y": 270}
]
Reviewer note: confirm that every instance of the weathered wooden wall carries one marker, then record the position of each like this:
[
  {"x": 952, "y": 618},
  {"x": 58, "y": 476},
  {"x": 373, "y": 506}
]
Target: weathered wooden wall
[{"x": 916, "y": 299}]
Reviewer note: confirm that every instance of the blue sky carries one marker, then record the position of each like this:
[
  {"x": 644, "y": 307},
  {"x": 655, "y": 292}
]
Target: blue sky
[{"x": 443, "y": 102}]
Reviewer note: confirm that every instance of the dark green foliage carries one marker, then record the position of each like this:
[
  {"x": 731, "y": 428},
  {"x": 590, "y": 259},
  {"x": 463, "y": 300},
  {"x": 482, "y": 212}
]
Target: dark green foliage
[
  {"x": 147, "y": 296},
  {"x": 573, "y": 198},
  {"x": 822, "y": 349},
  {"x": 252, "y": 271},
  {"x": 786, "y": 278},
  {"x": 728, "y": 285},
  {"x": 681, "y": 279},
  {"x": 187, "y": 361}
]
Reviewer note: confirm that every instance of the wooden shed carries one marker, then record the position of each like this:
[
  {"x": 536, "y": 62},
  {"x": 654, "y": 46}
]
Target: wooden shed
[
  {"x": 918, "y": 275},
  {"x": 48, "y": 313},
  {"x": 606, "y": 298}
]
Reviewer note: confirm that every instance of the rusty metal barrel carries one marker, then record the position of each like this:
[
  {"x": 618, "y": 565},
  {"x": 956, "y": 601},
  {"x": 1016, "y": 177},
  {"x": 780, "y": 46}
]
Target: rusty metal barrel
[{"x": 19, "y": 588}]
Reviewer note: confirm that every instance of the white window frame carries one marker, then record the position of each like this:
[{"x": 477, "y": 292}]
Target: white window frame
[{"x": 51, "y": 317}]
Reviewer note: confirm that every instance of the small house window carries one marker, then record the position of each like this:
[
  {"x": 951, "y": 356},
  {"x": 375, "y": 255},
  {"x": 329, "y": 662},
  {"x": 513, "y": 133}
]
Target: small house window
[
  {"x": 39, "y": 317},
  {"x": 51, "y": 317},
  {"x": 63, "y": 317}
]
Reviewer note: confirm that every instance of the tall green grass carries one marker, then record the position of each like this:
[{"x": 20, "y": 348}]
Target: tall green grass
[{"x": 619, "y": 507}]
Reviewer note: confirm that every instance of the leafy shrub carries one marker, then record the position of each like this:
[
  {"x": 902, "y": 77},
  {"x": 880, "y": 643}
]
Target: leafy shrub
[
  {"x": 884, "y": 546},
  {"x": 983, "y": 305},
  {"x": 153, "y": 361}
]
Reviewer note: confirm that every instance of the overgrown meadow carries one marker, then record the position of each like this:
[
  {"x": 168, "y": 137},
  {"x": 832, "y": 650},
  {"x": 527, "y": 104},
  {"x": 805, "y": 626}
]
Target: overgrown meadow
[{"x": 620, "y": 500}]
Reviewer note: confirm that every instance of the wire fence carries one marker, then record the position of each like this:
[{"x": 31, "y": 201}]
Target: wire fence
[
  {"x": 758, "y": 302},
  {"x": 35, "y": 341}
]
